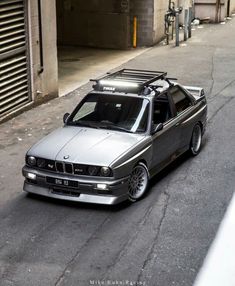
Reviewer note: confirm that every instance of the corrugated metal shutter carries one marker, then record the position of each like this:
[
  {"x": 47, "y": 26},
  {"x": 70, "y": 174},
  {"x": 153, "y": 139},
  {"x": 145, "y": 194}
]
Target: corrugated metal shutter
[{"x": 14, "y": 81}]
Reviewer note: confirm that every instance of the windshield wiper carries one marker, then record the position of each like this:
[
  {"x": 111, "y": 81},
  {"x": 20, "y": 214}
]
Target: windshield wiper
[
  {"x": 85, "y": 124},
  {"x": 115, "y": 127}
]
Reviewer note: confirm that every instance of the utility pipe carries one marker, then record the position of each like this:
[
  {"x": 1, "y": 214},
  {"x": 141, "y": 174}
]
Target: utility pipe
[
  {"x": 40, "y": 37},
  {"x": 177, "y": 36}
]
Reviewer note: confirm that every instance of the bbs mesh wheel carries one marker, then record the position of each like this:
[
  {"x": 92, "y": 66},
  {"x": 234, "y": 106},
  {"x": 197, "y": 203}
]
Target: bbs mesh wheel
[{"x": 138, "y": 182}]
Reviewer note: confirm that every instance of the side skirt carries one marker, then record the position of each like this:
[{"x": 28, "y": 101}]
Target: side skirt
[{"x": 155, "y": 170}]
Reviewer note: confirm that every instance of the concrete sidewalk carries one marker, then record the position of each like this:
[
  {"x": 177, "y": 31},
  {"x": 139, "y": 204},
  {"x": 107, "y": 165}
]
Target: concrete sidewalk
[{"x": 77, "y": 65}]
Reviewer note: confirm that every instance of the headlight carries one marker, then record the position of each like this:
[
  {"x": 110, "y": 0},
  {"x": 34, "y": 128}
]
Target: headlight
[
  {"x": 31, "y": 161},
  {"x": 105, "y": 171},
  {"x": 92, "y": 170},
  {"x": 41, "y": 163}
]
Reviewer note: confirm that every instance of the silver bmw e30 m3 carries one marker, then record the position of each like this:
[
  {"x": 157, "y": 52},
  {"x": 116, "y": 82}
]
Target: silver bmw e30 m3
[{"x": 127, "y": 129}]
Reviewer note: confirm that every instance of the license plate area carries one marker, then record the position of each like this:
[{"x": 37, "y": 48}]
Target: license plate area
[
  {"x": 62, "y": 182},
  {"x": 65, "y": 192}
]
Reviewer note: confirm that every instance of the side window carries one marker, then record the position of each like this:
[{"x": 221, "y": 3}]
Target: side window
[
  {"x": 161, "y": 110},
  {"x": 180, "y": 99}
]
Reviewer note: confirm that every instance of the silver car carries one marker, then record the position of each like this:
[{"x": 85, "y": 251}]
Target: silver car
[{"x": 127, "y": 129}]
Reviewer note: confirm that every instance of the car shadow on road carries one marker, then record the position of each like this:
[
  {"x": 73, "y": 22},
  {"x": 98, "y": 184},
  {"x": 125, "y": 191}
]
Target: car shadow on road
[
  {"x": 173, "y": 166},
  {"x": 78, "y": 205},
  {"x": 169, "y": 169}
]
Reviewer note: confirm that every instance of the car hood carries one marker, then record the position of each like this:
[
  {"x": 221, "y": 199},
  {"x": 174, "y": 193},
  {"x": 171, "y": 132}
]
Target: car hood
[{"x": 85, "y": 145}]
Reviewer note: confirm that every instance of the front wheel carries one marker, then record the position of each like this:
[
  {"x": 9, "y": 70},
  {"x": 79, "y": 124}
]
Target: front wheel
[
  {"x": 138, "y": 182},
  {"x": 196, "y": 140}
]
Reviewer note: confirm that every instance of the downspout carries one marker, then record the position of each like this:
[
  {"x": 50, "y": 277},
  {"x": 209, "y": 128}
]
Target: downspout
[
  {"x": 217, "y": 11},
  {"x": 41, "y": 69}
]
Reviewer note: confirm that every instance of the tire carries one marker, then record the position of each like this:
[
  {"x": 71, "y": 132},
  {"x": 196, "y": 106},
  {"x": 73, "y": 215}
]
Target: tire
[
  {"x": 196, "y": 140},
  {"x": 138, "y": 182}
]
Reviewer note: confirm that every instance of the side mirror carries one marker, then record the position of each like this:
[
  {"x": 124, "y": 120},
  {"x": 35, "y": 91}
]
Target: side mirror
[
  {"x": 202, "y": 93},
  {"x": 65, "y": 118},
  {"x": 157, "y": 128}
]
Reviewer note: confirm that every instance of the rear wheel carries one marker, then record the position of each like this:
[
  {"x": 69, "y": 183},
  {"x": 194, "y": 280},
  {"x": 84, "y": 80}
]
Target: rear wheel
[
  {"x": 196, "y": 140},
  {"x": 138, "y": 182}
]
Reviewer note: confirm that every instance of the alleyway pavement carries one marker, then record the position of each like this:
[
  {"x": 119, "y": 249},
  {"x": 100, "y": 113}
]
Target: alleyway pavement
[{"x": 161, "y": 240}]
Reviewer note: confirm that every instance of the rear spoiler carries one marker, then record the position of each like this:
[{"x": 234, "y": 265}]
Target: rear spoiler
[{"x": 197, "y": 92}]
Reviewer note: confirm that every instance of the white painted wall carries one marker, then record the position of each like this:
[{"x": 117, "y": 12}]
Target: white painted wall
[
  {"x": 232, "y": 6},
  {"x": 160, "y": 8}
]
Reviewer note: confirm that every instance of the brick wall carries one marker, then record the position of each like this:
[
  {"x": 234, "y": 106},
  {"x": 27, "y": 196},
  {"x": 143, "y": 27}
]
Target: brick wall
[
  {"x": 144, "y": 11},
  {"x": 109, "y": 23},
  {"x": 151, "y": 19},
  {"x": 95, "y": 23}
]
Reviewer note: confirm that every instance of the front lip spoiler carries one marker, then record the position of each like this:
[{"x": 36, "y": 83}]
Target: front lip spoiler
[
  {"x": 88, "y": 192},
  {"x": 83, "y": 198}
]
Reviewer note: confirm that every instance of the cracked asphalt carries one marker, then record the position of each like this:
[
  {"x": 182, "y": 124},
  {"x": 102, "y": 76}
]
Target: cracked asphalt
[{"x": 159, "y": 241}]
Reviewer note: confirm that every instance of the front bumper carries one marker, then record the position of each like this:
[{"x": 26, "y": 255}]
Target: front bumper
[{"x": 82, "y": 189}]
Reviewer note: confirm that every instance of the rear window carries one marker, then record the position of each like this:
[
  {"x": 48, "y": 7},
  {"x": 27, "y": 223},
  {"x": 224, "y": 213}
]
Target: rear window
[{"x": 180, "y": 99}]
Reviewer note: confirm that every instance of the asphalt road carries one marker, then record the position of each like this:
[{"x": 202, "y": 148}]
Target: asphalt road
[{"x": 159, "y": 241}]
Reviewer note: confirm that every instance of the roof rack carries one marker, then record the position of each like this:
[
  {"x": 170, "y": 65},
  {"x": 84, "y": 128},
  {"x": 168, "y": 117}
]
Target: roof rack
[{"x": 128, "y": 80}]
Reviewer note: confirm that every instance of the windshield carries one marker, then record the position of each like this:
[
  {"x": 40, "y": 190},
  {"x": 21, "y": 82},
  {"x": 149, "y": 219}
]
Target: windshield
[{"x": 122, "y": 113}]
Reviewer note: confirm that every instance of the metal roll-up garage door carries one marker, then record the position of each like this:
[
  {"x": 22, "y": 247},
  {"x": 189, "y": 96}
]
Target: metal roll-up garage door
[{"x": 14, "y": 80}]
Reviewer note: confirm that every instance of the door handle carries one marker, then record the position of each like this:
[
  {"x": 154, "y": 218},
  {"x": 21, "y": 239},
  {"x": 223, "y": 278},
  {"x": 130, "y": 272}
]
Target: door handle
[{"x": 177, "y": 124}]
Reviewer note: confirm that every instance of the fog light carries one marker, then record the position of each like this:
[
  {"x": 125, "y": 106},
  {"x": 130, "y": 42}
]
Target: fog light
[
  {"x": 102, "y": 186},
  {"x": 30, "y": 176}
]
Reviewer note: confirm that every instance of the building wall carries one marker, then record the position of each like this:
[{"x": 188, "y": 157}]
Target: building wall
[
  {"x": 160, "y": 8},
  {"x": 35, "y": 86},
  {"x": 109, "y": 23},
  {"x": 44, "y": 84},
  {"x": 186, "y": 4},
  {"x": 144, "y": 11},
  {"x": 207, "y": 8},
  {"x": 232, "y": 6},
  {"x": 95, "y": 23}
]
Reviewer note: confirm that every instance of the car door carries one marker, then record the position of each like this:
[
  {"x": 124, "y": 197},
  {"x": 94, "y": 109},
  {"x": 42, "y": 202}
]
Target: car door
[
  {"x": 165, "y": 142},
  {"x": 184, "y": 108}
]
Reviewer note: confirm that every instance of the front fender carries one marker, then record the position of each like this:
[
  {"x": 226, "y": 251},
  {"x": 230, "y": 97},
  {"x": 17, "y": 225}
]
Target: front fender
[{"x": 123, "y": 166}]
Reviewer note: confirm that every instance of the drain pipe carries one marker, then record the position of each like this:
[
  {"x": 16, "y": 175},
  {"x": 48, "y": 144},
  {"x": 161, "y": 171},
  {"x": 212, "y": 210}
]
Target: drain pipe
[
  {"x": 177, "y": 31},
  {"x": 41, "y": 69},
  {"x": 218, "y": 8}
]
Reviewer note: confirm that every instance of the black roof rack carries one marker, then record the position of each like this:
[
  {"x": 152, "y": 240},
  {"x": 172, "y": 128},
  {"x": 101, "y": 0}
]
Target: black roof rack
[{"x": 128, "y": 80}]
